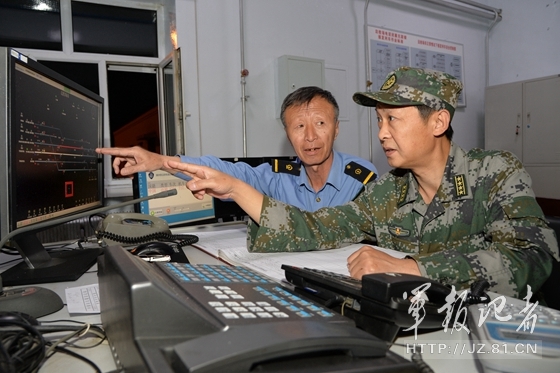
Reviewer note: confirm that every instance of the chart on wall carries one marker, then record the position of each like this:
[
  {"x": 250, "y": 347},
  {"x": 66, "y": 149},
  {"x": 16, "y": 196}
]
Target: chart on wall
[{"x": 391, "y": 49}]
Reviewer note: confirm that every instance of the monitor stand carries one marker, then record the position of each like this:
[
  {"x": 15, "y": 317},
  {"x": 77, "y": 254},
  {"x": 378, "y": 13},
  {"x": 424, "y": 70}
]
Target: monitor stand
[{"x": 40, "y": 267}]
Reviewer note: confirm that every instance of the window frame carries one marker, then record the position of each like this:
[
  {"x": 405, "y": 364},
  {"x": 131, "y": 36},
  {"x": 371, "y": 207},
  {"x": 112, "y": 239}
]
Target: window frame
[{"x": 114, "y": 188}]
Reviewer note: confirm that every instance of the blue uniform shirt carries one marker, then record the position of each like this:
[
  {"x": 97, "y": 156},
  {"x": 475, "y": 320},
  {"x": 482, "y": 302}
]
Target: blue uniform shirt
[{"x": 294, "y": 189}]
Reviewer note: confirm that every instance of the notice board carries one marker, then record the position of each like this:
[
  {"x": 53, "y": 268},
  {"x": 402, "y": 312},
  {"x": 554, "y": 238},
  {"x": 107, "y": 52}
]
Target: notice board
[{"x": 389, "y": 49}]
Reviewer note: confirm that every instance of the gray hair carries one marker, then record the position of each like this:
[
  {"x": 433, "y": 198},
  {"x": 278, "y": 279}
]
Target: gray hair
[{"x": 304, "y": 95}]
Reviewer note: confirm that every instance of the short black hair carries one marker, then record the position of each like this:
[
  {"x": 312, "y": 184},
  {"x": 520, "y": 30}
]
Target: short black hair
[
  {"x": 304, "y": 95},
  {"x": 426, "y": 111}
]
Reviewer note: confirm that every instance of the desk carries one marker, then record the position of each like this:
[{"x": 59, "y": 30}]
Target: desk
[{"x": 102, "y": 357}]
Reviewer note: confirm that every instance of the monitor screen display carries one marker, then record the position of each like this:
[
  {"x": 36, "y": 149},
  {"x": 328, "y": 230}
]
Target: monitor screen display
[
  {"x": 180, "y": 209},
  {"x": 53, "y": 140},
  {"x": 49, "y": 168}
]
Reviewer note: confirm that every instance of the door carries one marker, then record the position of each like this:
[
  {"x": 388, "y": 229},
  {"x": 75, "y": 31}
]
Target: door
[{"x": 171, "y": 104}]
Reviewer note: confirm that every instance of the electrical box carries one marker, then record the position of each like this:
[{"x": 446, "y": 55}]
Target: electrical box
[{"x": 295, "y": 72}]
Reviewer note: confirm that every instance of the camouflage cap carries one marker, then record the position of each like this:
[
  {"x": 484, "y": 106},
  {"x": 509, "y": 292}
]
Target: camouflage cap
[{"x": 411, "y": 86}]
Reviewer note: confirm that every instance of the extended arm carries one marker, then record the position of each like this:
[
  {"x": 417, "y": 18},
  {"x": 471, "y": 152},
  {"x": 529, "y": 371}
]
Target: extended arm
[
  {"x": 257, "y": 177},
  {"x": 205, "y": 180},
  {"x": 129, "y": 161}
]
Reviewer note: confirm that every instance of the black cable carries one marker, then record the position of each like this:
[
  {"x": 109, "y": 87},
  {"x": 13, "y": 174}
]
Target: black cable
[
  {"x": 183, "y": 239},
  {"x": 416, "y": 358},
  {"x": 77, "y": 356},
  {"x": 45, "y": 329},
  {"x": 478, "y": 292},
  {"x": 23, "y": 347}
]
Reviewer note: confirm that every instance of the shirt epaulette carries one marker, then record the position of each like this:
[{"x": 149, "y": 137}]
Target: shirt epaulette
[
  {"x": 286, "y": 167},
  {"x": 359, "y": 172}
]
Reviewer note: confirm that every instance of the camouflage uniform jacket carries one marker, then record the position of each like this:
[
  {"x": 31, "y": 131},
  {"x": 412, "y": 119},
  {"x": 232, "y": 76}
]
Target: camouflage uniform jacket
[{"x": 484, "y": 222}]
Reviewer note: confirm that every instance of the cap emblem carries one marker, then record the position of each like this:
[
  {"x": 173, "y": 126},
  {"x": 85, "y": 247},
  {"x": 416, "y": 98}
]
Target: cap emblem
[{"x": 389, "y": 82}]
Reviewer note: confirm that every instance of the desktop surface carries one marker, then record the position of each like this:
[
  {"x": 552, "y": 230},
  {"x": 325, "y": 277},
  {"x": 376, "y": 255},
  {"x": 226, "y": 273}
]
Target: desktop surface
[{"x": 103, "y": 358}]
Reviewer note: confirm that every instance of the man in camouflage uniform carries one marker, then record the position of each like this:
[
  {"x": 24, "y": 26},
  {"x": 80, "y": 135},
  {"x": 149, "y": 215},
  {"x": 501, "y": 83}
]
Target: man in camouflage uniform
[{"x": 460, "y": 215}]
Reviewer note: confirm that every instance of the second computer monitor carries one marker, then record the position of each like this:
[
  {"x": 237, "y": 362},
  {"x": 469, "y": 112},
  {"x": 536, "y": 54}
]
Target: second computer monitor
[{"x": 181, "y": 209}]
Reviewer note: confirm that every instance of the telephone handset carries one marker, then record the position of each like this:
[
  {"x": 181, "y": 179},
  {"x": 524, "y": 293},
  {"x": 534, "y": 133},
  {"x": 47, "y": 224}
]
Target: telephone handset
[
  {"x": 379, "y": 303},
  {"x": 136, "y": 228},
  {"x": 384, "y": 286}
]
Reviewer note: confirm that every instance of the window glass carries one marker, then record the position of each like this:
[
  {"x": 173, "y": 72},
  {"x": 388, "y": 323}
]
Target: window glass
[
  {"x": 85, "y": 74},
  {"x": 133, "y": 107},
  {"x": 114, "y": 30},
  {"x": 31, "y": 24}
]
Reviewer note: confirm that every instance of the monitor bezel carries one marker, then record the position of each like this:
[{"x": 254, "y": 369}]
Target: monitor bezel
[
  {"x": 12, "y": 58},
  {"x": 38, "y": 266}
]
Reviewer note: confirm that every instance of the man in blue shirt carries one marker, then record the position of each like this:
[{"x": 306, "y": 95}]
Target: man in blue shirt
[{"x": 320, "y": 177}]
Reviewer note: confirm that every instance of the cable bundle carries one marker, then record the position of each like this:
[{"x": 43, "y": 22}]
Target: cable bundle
[
  {"x": 22, "y": 346},
  {"x": 24, "y": 349}
]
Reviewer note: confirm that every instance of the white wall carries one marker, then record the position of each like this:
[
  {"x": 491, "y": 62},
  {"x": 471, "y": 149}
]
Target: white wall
[
  {"x": 332, "y": 30},
  {"x": 525, "y": 44}
]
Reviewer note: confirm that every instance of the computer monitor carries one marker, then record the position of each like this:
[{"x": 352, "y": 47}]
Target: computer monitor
[
  {"x": 48, "y": 166},
  {"x": 181, "y": 209}
]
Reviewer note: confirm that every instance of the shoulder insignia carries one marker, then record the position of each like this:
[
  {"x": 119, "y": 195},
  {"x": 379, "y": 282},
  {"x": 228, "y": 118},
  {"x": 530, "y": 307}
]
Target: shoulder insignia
[
  {"x": 359, "y": 172},
  {"x": 285, "y": 167},
  {"x": 402, "y": 194},
  {"x": 460, "y": 186}
]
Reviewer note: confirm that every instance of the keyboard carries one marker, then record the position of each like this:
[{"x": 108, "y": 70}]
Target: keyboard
[{"x": 240, "y": 295}]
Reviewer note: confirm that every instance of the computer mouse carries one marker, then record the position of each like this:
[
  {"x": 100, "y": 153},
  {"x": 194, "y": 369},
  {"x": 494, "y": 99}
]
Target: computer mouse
[{"x": 153, "y": 248}]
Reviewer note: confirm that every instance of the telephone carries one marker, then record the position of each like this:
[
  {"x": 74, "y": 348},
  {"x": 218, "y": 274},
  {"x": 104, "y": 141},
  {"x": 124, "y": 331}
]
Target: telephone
[
  {"x": 172, "y": 317},
  {"x": 379, "y": 303},
  {"x": 136, "y": 228}
]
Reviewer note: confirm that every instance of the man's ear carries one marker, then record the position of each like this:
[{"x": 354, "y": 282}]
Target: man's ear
[
  {"x": 441, "y": 118},
  {"x": 336, "y": 129}
]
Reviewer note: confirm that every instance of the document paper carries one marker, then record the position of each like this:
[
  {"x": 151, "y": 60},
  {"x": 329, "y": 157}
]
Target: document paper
[
  {"x": 83, "y": 299},
  {"x": 231, "y": 247}
]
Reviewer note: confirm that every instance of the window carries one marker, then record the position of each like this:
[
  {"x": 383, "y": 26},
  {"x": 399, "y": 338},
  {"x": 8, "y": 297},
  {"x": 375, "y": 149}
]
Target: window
[
  {"x": 133, "y": 107},
  {"x": 30, "y": 24},
  {"x": 91, "y": 62},
  {"x": 114, "y": 30}
]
